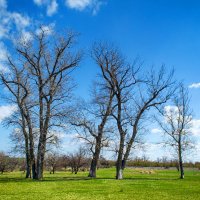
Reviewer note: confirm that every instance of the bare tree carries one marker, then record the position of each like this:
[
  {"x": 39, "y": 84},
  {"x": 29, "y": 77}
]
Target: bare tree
[
  {"x": 129, "y": 109},
  {"x": 91, "y": 122},
  {"x": 176, "y": 124},
  {"x": 156, "y": 90},
  {"x": 64, "y": 161},
  {"x": 17, "y": 83},
  {"x": 52, "y": 162},
  {"x": 4, "y": 159},
  {"x": 45, "y": 63},
  {"x": 13, "y": 163},
  {"x": 78, "y": 160}
]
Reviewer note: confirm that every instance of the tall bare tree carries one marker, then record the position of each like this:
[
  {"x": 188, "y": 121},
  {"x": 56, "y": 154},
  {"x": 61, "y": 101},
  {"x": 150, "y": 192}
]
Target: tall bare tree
[
  {"x": 176, "y": 123},
  {"x": 129, "y": 108},
  {"x": 156, "y": 89},
  {"x": 17, "y": 82},
  {"x": 47, "y": 60},
  {"x": 92, "y": 122}
]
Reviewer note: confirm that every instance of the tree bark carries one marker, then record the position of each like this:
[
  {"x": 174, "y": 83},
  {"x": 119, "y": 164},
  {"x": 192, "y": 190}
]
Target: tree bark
[
  {"x": 181, "y": 162},
  {"x": 120, "y": 161},
  {"x": 93, "y": 168},
  {"x": 28, "y": 166},
  {"x": 40, "y": 157},
  {"x": 95, "y": 159}
]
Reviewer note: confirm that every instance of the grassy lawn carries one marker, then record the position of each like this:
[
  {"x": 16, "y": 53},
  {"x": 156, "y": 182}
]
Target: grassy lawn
[{"x": 137, "y": 185}]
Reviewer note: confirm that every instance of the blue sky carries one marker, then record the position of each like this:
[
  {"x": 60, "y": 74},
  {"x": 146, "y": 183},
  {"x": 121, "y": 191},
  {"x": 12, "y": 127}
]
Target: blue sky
[{"x": 158, "y": 31}]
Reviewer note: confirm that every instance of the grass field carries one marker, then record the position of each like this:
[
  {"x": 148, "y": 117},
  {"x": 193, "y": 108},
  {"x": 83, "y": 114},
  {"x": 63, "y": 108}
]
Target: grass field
[{"x": 137, "y": 185}]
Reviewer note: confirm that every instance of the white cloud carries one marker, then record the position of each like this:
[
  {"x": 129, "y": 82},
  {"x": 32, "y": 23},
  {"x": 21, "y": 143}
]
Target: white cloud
[
  {"x": 20, "y": 21},
  {"x": 3, "y": 31},
  {"x": 25, "y": 38},
  {"x": 96, "y": 7},
  {"x": 3, "y": 4},
  {"x": 52, "y": 8},
  {"x": 51, "y": 5},
  {"x": 156, "y": 130},
  {"x": 194, "y": 85},
  {"x": 11, "y": 21},
  {"x": 154, "y": 151},
  {"x": 38, "y": 2},
  {"x": 3, "y": 57},
  {"x": 4, "y": 53},
  {"x": 81, "y": 5},
  {"x": 195, "y": 127},
  {"x": 6, "y": 111},
  {"x": 78, "y": 4},
  {"x": 170, "y": 109}
]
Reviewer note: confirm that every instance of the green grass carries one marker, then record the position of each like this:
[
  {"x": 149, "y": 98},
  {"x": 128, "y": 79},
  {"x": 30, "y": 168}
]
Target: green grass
[{"x": 137, "y": 185}]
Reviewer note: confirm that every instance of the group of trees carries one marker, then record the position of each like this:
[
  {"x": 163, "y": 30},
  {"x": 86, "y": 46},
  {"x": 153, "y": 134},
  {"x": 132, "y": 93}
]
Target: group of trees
[
  {"x": 38, "y": 80},
  {"x": 74, "y": 161},
  {"x": 8, "y": 163},
  {"x": 79, "y": 161}
]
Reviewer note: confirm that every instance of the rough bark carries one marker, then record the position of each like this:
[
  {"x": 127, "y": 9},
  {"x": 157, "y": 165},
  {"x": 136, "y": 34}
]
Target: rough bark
[
  {"x": 95, "y": 159},
  {"x": 28, "y": 166},
  {"x": 40, "y": 157},
  {"x": 180, "y": 160},
  {"x": 120, "y": 162}
]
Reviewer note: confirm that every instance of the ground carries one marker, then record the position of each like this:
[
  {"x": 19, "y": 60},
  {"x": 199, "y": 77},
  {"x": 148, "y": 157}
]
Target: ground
[{"x": 139, "y": 184}]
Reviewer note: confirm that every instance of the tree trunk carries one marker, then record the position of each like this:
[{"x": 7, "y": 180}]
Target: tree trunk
[
  {"x": 181, "y": 166},
  {"x": 32, "y": 158},
  {"x": 93, "y": 168},
  {"x": 28, "y": 166},
  {"x": 119, "y": 164},
  {"x": 40, "y": 163},
  {"x": 95, "y": 159},
  {"x": 40, "y": 157},
  {"x": 34, "y": 174},
  {"x": 119, "y": 175},
  {"x": 120, "y": 169},
  {"x": 181, "y": 163},
  {"x": 31, "y": 146}
]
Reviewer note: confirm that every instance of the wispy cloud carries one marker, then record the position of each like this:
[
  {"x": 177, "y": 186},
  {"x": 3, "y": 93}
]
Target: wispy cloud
[
  {"x": 38, "y": 2},
  {"x": 3, "y": 4},
  {"x": 78, "y": 4},
  {"x": 194, "y": 85},
  {"x": 12, "y": 23},
  {"x": 3, "y": 56},
  {"x": 6, "y": 111},
  {"x": 81, "y": 5},
  {"x": 51, "y": 6},
  {"x": 11, "y": 20},
  {"x": 195, "y": 127},
  {"x": 156, "y": 131},
  {"x": 4, "y": 53}
]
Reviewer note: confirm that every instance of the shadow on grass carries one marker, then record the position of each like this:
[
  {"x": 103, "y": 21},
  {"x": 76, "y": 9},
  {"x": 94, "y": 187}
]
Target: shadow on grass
[{"x": 61, "y": 179}]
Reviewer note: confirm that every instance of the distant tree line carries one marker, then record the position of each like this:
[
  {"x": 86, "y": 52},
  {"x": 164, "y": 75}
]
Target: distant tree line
[{"x": 79, "y": 162}]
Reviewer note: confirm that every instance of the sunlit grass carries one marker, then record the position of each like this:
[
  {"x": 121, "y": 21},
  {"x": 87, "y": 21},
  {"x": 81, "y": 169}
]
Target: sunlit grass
[{"x": 138, "y": 185}]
